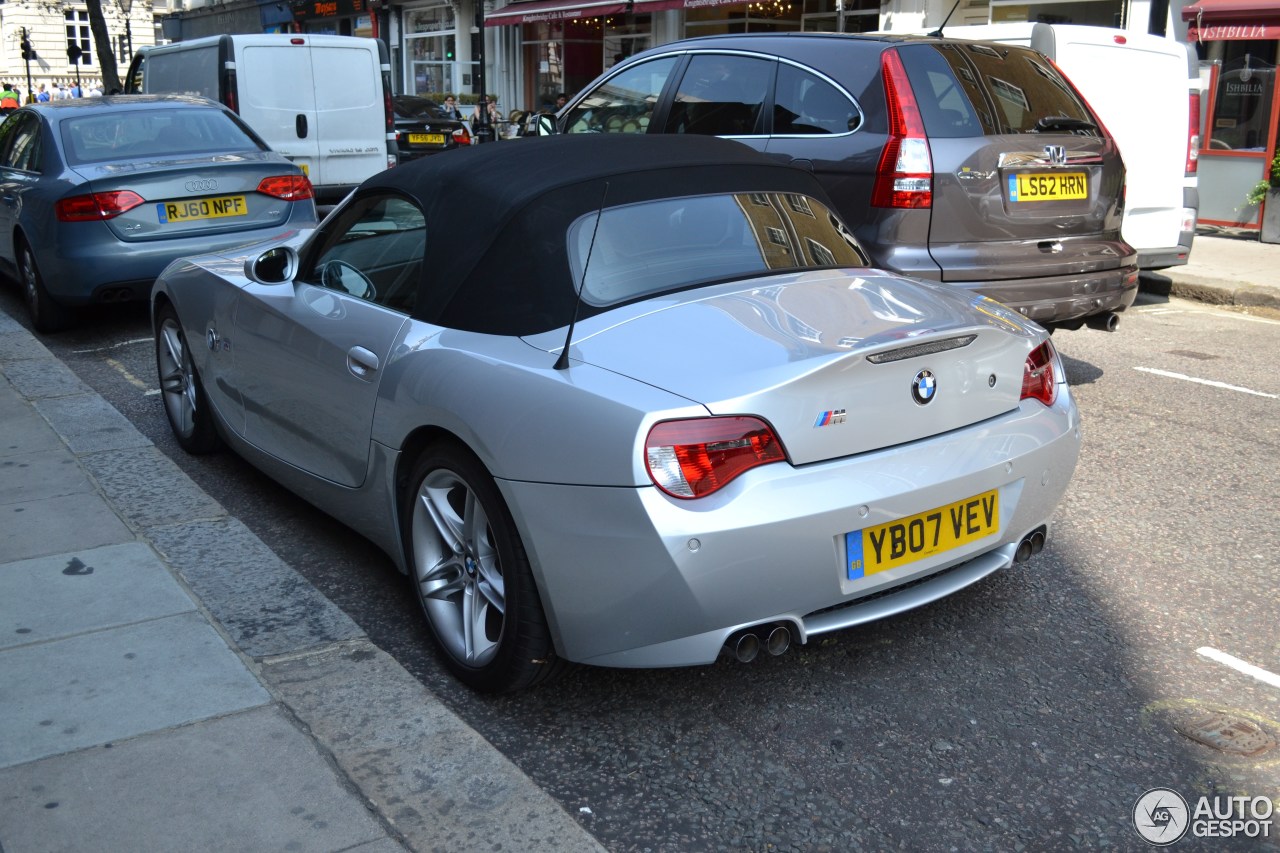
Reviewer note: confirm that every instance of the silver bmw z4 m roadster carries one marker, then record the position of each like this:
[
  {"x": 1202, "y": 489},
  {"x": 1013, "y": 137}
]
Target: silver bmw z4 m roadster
[{"x": 623, "y": 400}]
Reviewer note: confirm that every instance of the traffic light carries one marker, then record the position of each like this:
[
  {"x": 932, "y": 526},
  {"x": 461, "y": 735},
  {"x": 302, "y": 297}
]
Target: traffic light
[
  {"x": 74, "y": 53},
  {"x": 28, "y": 52}
]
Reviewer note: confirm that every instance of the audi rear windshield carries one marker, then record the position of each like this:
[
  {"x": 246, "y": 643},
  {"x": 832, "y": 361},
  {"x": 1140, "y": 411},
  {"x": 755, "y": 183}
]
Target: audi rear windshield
[
  {"x": 151, "y": 133},
  {"x": 969, "y": 89}
]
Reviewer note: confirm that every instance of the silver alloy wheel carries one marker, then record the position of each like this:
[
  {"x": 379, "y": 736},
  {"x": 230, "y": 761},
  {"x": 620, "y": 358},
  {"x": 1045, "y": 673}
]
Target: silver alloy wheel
[
  {"x": 177, "y": 378},
  {"x": 457, "y": 568}
]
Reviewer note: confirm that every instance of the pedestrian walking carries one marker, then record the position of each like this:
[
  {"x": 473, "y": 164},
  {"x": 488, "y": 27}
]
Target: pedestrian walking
[{"x": 42, "y": 95}]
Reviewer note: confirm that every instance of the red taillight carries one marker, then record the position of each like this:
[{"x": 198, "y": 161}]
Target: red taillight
[
  {"x": 287, "y": 187},
  {"x": 904, "y": 177},
  {"x": 462, "y": 137},
  {"x": 1039, "y": 375},
  {"x": 96, "y": 206},
  {"x": 697, "y": 457},
  {"x": 1193, "y": 133}
]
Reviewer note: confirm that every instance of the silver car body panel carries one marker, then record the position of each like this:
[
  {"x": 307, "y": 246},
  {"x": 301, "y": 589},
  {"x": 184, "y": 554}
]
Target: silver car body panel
[{"x": 628, "y": 575}]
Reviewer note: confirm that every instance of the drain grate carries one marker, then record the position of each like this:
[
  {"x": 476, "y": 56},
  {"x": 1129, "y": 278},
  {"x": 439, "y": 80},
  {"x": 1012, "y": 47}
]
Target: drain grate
[{"x": 1226, "y": 733}]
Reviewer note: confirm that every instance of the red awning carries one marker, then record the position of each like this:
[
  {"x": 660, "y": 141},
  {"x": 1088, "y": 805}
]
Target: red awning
[
  {"x": 534, "y": 11},
  {"x": 1232, "y": 20}
]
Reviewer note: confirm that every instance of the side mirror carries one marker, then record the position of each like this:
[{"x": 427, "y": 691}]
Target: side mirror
[
  {"x": 540, "y": 124},
  {"x": 274, "y": 266}
]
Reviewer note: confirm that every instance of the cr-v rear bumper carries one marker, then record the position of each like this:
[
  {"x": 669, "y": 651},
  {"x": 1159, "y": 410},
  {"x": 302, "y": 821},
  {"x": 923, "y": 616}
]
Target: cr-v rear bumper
[{"x": 1066, "y": 299}]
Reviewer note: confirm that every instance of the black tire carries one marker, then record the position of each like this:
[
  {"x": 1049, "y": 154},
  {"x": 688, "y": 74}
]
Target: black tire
[
  {"x": 472, "y": 576},
  {"x": 47, "y": 313},
  {"x": 185, "y": 403}
]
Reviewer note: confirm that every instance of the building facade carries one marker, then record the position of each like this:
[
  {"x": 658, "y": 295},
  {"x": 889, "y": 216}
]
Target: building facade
[{"x": 60, "y": 48}]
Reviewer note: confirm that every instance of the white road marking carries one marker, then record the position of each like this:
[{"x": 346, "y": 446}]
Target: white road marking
[
  {"x": 1210, "y": 382},
  {"x": 115, "y": 346},
  {"x": 1240, "y": 666}
]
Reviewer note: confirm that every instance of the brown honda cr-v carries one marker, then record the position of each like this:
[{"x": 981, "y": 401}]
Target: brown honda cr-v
[{"x": 971, "y": 163}]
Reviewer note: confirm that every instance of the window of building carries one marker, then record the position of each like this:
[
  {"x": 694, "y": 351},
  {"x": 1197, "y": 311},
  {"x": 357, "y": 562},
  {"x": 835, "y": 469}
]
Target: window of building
[
  {"x": 78, "y": 35},
  {"x": 430, "y": 41}
]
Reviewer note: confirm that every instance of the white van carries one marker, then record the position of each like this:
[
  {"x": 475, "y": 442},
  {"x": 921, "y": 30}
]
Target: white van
[
  {"x": 322, "y": 101},
  {"x": 1146, "y": 90}
]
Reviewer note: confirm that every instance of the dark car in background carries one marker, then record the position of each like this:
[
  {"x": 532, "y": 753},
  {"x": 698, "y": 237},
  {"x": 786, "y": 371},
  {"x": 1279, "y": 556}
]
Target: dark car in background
[
  {"x": 100, "y": 194},
  {"x": 422, "y": 129},
  {"x": 972, "y": 163}
]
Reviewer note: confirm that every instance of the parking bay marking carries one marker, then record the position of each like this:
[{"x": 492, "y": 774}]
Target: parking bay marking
[
  {"x": 128, "y": 343},
  {"x": 1240, "y": 666},
  {"x": 130, "y": 378},
  {"x": 1171, "y": 375}
]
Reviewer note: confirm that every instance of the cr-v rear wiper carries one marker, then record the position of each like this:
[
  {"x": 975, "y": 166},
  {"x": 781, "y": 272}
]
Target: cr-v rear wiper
[{"x": 1063, "y": 123}]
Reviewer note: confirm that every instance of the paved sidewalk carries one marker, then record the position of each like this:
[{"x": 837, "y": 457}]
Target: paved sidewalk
[
  {"x": 168, "y": 683},
  {"x": 1226, "y": 267}
]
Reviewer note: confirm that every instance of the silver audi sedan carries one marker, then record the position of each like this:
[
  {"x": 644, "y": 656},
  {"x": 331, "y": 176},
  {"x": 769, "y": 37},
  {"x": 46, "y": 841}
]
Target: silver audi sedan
[
  {"x": 98, "y": 195},
  {"x": 623, "y": 400}
]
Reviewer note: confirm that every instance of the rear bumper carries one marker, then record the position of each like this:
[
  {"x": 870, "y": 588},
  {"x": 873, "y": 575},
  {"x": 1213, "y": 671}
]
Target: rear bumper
[
  {"x": 1063, "y": 299},
  {"x": 101, "y": 268},
  {"x": 631, "y": 578}
]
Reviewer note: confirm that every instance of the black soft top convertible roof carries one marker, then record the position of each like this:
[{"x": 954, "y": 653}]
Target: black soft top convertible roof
[{"x": 497, "y": 215}]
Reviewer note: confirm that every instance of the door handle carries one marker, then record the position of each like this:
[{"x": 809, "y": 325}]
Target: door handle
[
  {"x": 362, "y": 363},
  {"x": 300, "y": 125}
]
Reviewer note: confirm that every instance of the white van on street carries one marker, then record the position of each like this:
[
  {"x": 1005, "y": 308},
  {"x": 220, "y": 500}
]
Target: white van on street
[
  {"x": 1146, "y": 90},
  {"x": 322, "y": 101}
]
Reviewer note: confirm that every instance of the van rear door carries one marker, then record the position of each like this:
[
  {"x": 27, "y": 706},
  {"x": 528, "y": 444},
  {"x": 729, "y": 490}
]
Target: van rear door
[
  {"x": 318, "y": 100},
  {"x": 273, "y": 104},
  {"x": 352, "y": 112}
]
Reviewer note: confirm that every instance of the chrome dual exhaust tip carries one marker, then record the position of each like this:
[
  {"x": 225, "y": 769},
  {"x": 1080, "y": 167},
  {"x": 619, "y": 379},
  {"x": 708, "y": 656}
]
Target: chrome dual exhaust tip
[{"x": 746, "y": 644}]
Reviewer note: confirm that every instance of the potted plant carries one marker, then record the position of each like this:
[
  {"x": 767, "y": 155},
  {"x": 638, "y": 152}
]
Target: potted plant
[{"x": 1269, "y": 191}]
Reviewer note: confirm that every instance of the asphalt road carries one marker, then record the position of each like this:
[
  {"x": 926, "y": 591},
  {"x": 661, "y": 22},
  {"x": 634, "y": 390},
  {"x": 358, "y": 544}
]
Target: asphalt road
[{"x": 1028, "y": 712}]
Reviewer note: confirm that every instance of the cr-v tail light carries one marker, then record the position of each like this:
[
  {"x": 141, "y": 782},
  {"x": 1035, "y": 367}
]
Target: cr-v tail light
[
  {"x": 1040, "y": 374},
  {"x": 696, "y": 457},
  {"x": 904, "y": 177}
]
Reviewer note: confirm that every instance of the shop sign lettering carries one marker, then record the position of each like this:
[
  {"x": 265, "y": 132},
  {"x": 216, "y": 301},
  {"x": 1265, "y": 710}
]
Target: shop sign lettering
[{"x": 1232, "y": 33}]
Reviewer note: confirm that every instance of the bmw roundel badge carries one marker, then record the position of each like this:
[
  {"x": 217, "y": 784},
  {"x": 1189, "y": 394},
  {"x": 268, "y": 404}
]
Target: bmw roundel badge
[{"x": 924, "y": 387}]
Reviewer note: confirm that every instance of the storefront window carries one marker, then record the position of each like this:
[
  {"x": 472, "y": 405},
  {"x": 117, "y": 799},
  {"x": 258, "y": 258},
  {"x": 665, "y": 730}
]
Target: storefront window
[
  {"x": 757, "y": 16},
  {"x": 563, "y": 56},
  {"x": 823, "y": 16},
  {"x": 430, "y": 51},
  {"x": 1242, "y": 106}
]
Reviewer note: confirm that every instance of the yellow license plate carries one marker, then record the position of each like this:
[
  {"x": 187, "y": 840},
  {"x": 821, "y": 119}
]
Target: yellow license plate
[
  {"x": 426, "y": 139},
  {"x": 201, "y": 208},
  {"x": 934, "y": 531},
  {"x": 1048, "y": 186}
]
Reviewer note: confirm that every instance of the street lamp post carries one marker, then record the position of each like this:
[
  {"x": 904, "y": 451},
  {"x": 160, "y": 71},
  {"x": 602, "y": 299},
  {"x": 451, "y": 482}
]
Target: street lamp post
[{"x": 484, "y": 128}]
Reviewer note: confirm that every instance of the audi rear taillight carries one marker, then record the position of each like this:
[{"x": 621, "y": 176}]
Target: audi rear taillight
[
  {"x": 287, "y": 187},
  {"x": 904, "y": 177},
  {"x": 96, "y": 206},
  {"x": 1193, "y": 133},
  {"x": 698, "y": 457},
  {"x": 1040, "y": 374}
]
